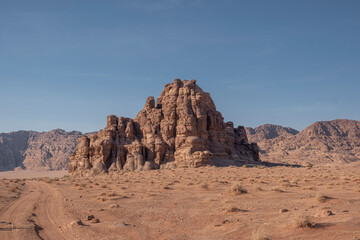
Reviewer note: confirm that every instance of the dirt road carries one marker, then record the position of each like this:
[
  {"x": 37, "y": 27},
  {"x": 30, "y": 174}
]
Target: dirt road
[{"x": 37, "y": 214}]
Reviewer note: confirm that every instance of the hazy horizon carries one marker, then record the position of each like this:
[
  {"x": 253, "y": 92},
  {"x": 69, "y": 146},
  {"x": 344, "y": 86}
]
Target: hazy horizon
[{"x": 68, "y": 65}]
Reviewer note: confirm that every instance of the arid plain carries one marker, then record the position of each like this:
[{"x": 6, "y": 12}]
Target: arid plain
[
  {"x": 248, "y": 202},
  {"x": 178, "y": 171}
]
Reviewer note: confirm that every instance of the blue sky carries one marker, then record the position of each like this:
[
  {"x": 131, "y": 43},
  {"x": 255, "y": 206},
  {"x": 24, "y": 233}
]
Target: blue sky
[{"x": 69, "y": 64}]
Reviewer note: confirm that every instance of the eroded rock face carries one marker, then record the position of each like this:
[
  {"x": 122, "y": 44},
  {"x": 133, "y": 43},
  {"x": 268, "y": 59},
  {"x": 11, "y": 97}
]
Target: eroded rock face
[
  {"x": 37, "y": 150},
  {"x": 324, "y": 142},
  {"x": 183, "y": 126}
]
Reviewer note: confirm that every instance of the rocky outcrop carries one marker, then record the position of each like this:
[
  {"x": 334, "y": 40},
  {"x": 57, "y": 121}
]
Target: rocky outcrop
[
  {"x": 37, "y": 150},
  {"x": 182, "y": 126},
  {"x": 336, "y": 141}
]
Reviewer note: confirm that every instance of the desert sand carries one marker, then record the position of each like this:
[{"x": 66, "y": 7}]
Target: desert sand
[
  {"x": 32, "y": 174},
  {"x": 246, "y": 202}
]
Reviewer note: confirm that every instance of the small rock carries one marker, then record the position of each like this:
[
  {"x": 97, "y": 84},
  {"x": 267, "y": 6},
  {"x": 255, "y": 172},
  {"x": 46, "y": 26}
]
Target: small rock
[
  {"x": 283, "y": 210},
  {"x": 225, "y": 221},
  {"x": 95, "y": 220},
  {"x": 90, "y": 217},
  {"x": 77, "y": 223},
  {"x": 114, "y": 206},
  {"x": 324, "y": 213},
  {"x": 327, "y": 213}
]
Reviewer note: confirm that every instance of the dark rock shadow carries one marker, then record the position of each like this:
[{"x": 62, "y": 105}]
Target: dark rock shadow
[
  {"x": 228, "y": 163},
  {"x": 323, "y": 225}
]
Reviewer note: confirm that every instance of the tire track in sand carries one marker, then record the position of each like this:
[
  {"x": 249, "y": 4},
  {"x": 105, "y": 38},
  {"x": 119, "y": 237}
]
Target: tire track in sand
[{"x": 37, "y": 214}]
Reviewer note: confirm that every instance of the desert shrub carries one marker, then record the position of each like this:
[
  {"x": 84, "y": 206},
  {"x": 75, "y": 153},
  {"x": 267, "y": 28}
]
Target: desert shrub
[
  {"x": 238, "y": 189},
  {"x": 303, "y": 221},
  {"x": 321, "y": 197},
  {"x": 205, "y": 186},
  {"x": 232, "y": 209}
]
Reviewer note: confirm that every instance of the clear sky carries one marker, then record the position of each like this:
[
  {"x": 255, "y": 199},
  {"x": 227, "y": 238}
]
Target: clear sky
[{"x": 69, "y": 64}]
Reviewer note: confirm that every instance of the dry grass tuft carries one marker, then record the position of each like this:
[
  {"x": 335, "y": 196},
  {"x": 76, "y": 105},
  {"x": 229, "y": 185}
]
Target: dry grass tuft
[
  {"x": 283, "y": 210},
  {"x": 303, "y": 221},
  {"x": 277, "y": 189},
  {"x": 205, "y": 186},
  {"x": 233, "y": 209},
  {"x": 238, "y": 189},
  {"x": 321, "y": 197}
]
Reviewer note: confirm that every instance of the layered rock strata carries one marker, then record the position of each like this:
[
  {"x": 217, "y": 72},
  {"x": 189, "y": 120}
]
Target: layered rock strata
[{"x": 182, "y": 126}]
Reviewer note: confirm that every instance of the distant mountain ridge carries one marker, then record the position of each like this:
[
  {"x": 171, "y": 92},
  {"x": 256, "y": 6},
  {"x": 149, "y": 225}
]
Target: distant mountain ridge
[
  {"x": 269, "y": 131},
  {"x": 37, "y": 150},
  {"x": 335, "y": 141},
  {"x": 322, "y": 142}
]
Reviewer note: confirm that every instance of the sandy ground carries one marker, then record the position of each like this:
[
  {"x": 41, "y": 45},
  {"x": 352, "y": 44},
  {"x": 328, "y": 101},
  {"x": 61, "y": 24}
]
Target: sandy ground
[
  {"x": 32, "y": 174},
  {"x": 184, "y": 203}
]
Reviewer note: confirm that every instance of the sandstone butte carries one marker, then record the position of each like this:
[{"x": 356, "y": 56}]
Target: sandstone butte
[{"x": 183, "y": 128}]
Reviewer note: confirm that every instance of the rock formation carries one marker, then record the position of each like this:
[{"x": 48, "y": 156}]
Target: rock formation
[
  {"x": 183, "y": 126},
  {"x": 37, "y": 150},
  {"x": 336, "y": 141}
]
